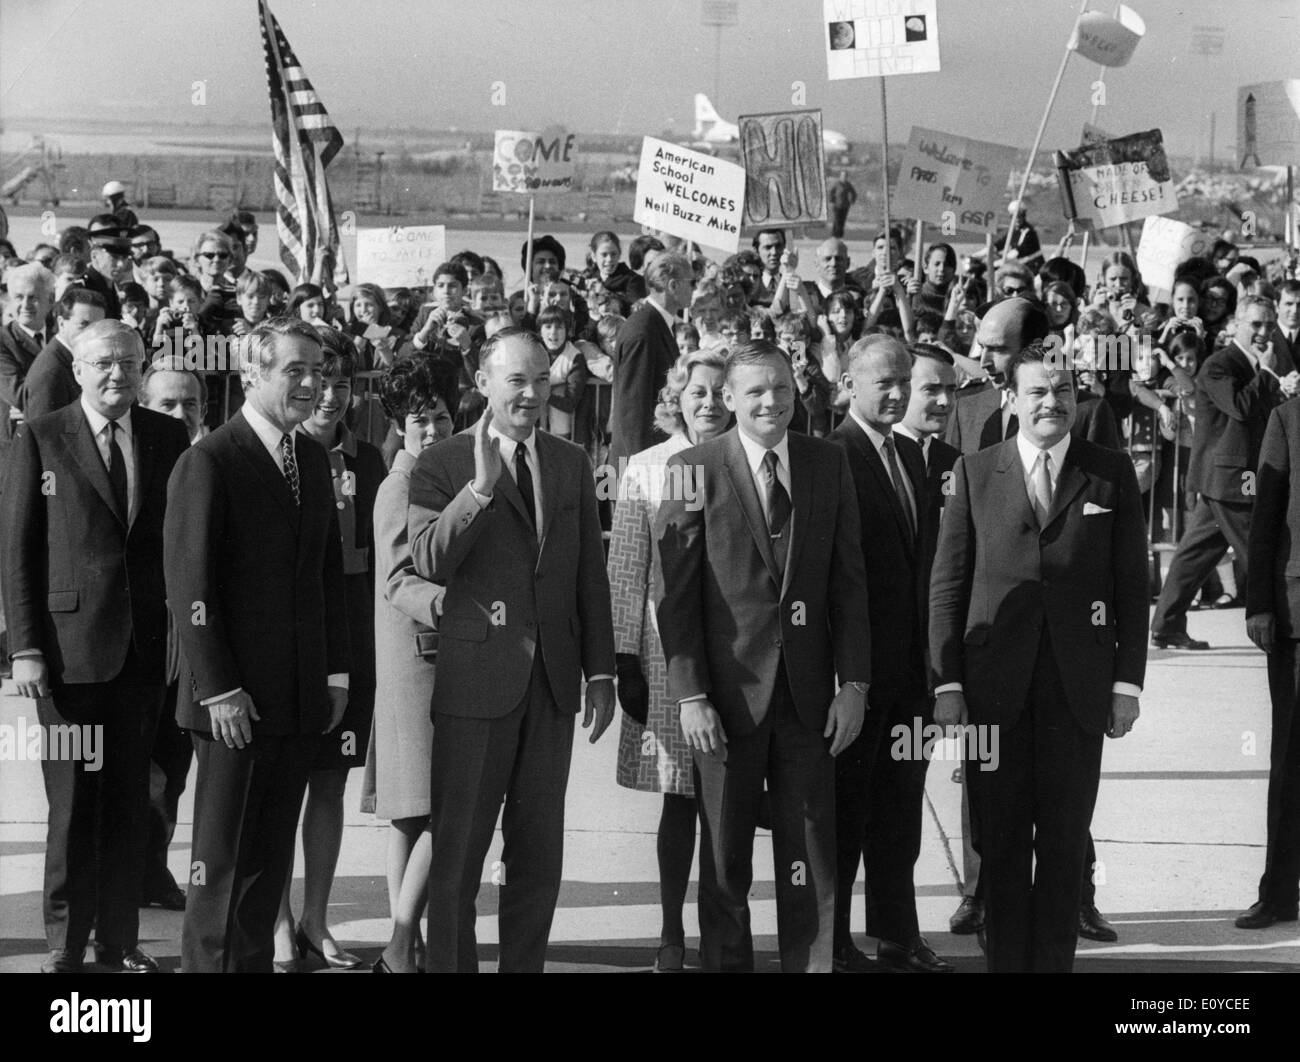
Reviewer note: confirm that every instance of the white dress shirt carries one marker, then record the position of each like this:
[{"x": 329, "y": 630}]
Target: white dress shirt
[
  {"x": 125, "y": 442},
  {"x": 878, "y": 441},
  {"x": 923, "y": 441},
  {"x": 508, "y": 447},
  {"x": 754, "y": 453},
  {"x": 270, "y": 437},
  {"x": 669, "y": 319},
  {"x": 1028, "y": 462}
]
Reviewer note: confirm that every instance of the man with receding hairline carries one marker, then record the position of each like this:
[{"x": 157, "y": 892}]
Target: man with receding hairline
[{"x": 82, "y": 574}]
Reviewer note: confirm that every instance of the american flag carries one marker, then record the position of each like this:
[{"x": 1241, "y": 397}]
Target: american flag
[{"x": 305, "y": 141}]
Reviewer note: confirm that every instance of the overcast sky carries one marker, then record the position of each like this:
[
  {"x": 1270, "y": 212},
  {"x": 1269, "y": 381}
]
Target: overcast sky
[{"x": 626, "y": 66}]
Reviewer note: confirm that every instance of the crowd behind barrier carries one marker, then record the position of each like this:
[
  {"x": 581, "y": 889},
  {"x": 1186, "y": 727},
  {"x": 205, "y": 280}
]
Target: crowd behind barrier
[{"x": 418, "y": 440}]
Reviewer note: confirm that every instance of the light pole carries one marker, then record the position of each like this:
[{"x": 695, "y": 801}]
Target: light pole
[
  {"x": 1208, "y": 41},
  {"x": 718, "y": 13}
]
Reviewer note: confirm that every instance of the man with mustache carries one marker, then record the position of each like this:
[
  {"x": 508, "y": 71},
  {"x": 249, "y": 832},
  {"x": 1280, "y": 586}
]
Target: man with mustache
[{"x": 1038, "y": 627}]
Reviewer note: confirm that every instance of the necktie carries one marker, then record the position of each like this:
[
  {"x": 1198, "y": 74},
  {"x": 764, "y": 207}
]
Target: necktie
[
  {"x": 524, "y": 481},
  {"x": 896, "y": 474},
  {"x": 290, "y": 467},
  {"x": 117, "y": 471},
  {"x": 778, "y": 509},
  {"x": 1012, "y": 427},
  {"x": 1042, "y": 487}
]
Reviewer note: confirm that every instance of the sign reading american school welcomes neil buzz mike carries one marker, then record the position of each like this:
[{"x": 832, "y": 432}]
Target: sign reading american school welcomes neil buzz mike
[{"x": 690, "y": 194}]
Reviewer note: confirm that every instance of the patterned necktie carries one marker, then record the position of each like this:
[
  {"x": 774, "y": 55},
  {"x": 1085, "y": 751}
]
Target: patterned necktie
[
  {"x": 117, "y": 471},
  {"x": 290, "y": 467},
  {"x": 896, "y": 474},
  {"x": 524, "y": 481},
  {"x": 1042, "y": 487}
]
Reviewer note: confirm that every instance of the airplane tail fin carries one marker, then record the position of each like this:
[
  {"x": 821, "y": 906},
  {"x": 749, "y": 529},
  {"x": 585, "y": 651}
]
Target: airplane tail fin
[{"x": 705, "y": 115}]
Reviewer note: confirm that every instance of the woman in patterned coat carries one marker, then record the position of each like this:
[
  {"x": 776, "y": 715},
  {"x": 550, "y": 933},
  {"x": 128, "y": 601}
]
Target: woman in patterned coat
[{"x": 653, "y": 757}]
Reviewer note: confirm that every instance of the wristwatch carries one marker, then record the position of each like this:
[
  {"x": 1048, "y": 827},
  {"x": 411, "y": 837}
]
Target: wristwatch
[{"x": 861, "y": 687}]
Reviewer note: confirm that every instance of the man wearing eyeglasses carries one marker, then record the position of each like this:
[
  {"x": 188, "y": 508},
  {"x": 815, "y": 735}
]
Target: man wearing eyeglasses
[{"x": 81, "y": 564}]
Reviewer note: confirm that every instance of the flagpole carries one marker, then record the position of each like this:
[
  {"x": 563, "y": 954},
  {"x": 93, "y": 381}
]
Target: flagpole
[
  {"x": 884, "y": 165},
  {"x": 1038, "y": 138}
]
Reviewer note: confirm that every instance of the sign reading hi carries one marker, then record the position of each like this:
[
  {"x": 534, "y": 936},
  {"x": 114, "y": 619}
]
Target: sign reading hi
[{"x": 783, "y": 153}]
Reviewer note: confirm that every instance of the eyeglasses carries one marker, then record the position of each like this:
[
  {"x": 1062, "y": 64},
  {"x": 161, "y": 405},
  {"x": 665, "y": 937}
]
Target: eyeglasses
[
  {"x": 1009, "y": 290},
  {"x": 130, "y": 366},
  {"x": 219, "y": 255}
]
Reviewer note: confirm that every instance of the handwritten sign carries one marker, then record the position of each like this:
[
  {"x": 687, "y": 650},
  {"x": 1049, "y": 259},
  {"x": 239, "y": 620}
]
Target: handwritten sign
[
  {"x": 1119, "y": 180},
  {"x": 1165, "y": 245},
  {"x": 689, "y": 194},
  {"x": 402, "y": 256},
  {"x": 953, "y": 181},
  {"x": 534, "y": 163},
  {"x": 785, "y": 167},
  {"x": 877, "y": 38},
  {"x": 1268, "y": 124}
]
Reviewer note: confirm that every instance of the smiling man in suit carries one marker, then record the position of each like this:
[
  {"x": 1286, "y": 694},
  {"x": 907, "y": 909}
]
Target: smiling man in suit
[
  {"x": 31, "y": 295},
  {"x": 83, "y": 588},
  {"x": 878, "y": 799},
  {"x": 504, "y": 516},
  {"x": 1236, "y": 389},
  {"x": 255, "y": 583},
  {"x": 763, "y": 608},
  {"x": 1038, "y": 622}
]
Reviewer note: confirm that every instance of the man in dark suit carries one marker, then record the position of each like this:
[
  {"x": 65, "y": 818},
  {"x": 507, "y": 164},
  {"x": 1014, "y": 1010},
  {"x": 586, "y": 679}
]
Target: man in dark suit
[
  {"x": 645, "y": 351},
  {"x": 985, "y": 415},
  {"x": 763, "y": 607},
  {"x": 83, "y": 588},
  {"x": 769, "y": 245},
  {"x": 255, "y": 583},
  {"x": 51, "y": 384},
  {"x": 1273, "y": 623},
  {"x": 505, "y": 517},
  {"x": 985, "y": 418},
  {"x": 1286, "y": 335},
  {"x": 878, "y": 798},
  {"x": 31, "y": 296},
  {"x": 1236, "y": 390},
  {"x": 1038, "y": 628}
]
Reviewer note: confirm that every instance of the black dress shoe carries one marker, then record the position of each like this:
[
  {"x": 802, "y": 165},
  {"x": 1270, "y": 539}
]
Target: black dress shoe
[
  {"x": 1263, "y": 914},
  {"x": 919, "y": 958},
  {"x": 64, "y": 960},
  {"x": 1178, "y": 640},
  {"x": 1093, "y": 925},
  {"x": 133, "y": 961},
  {"x": 968, "y": 918},
  {"x": 169, "y": 899},
  {"x": 852, "y": 959}
]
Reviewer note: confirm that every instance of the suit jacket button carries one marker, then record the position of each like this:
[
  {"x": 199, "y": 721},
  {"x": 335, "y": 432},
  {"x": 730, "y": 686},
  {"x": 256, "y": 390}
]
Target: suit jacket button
[
  {"x": 778, "y": 643},
  {"x": 530, "y": 624}
]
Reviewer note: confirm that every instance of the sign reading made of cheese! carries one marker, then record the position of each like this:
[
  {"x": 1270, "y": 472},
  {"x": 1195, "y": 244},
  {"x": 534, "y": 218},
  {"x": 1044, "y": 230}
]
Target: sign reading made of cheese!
[{"x": 689, "y": 194}]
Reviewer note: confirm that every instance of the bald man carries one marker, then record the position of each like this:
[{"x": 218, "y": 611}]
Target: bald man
[{"x": 985, "y": 416}]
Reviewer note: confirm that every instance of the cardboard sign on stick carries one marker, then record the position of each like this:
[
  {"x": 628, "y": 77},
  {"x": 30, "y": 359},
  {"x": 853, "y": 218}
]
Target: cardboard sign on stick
[{"x": 689, "y": 194}]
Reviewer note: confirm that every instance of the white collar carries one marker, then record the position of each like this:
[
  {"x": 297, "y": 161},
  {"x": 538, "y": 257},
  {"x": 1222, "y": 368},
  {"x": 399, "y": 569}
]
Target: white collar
[
  {"x": 670, "y": 320},
  {"x": 265, "y": 430},
  {"x": 508, "y": 445},
  {"x": 1029, "y": 454},
  {"x": 98, "y": 420},
  {"x": 754, "y": 451},
  {"x": 874, "y": 434}
]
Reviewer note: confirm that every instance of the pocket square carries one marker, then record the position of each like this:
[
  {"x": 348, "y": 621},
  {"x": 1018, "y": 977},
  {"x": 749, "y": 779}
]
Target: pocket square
[{"x": 1089, "y": 509}]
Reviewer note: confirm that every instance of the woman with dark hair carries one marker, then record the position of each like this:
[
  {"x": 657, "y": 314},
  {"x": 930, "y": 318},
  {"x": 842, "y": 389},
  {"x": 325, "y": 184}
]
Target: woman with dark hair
[
  {"x": 616, "y": 277},
  {"x": 1218, "y": 305},
  {"x": 357, "y": 469},
  {"x": 653, "y": 757},
  {"x": 419, "y": 396},
  {"x": 307, "y": 302}
]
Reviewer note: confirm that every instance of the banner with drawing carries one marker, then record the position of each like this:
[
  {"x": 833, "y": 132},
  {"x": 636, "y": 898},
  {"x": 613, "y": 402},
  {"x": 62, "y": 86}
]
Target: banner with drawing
[{"x": 785, "y": 167}]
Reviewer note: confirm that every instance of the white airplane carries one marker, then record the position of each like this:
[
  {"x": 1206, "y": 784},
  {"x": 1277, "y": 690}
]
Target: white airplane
[{"x": 712, "y": 132}]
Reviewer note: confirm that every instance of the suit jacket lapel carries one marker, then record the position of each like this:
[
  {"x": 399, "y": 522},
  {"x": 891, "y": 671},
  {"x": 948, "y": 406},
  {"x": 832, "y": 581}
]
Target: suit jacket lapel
[
  {"x": 86, "y": 453},
  {"x": 1069, "y": 483},
  {"x": 552, "y": 484},
  {"x": 742, "y": 482},
  {"x": 885, "y": 481},
  {"x": 1011, "y": 485},
  {"x": 264, "y": 466},
  {"x": 802, "y": 470},
  {"x": 146, "y": 463}
]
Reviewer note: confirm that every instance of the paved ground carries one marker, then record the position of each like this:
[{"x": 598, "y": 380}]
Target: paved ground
[{"x": 1179, "y": 830}]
